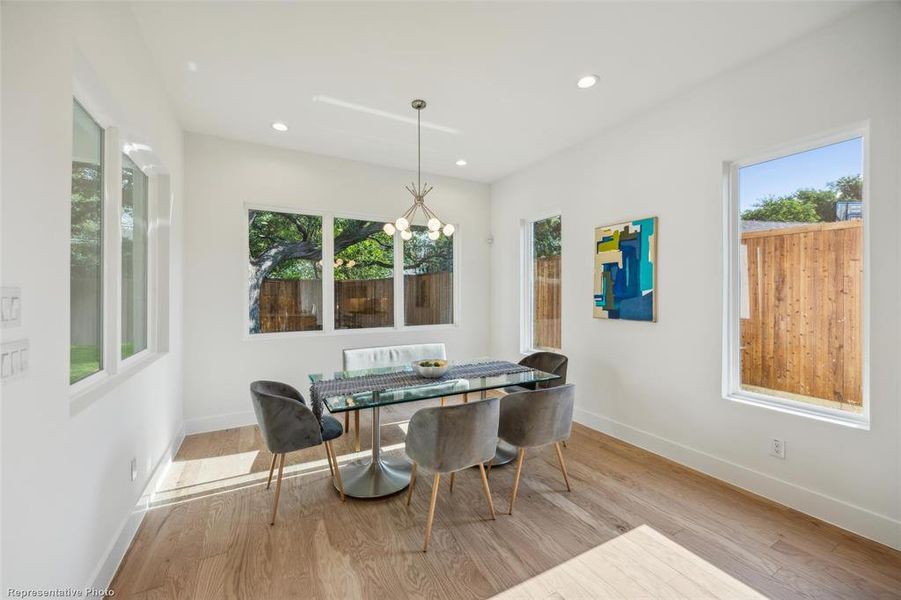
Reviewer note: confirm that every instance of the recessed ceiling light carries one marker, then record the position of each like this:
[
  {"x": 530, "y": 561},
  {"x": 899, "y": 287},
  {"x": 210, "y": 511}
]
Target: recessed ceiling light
[
  {"x": 587, "y": 81},
  {"x": 279, "y": 126},
  {"x": 192, "y": 66},
  {"x": 461, "y": 163}
]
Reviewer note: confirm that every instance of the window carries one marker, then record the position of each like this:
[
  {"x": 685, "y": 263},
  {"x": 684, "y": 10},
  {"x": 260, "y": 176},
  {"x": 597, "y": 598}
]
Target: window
[
  {"x": 428, "y": 279},
  {"x": 364, "y": 275},
  {"x": 86, "y": 248},
  {"x": 795, "y": 334},
  {"x": 330, "y": 274},
  {"x": 134, "y": 258},
  {"x": 285, "y": 271},
  {"x": 541, "y": 329}
]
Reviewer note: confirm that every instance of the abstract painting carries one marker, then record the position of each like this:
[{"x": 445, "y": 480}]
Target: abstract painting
[{"x": 625, "y": 271}]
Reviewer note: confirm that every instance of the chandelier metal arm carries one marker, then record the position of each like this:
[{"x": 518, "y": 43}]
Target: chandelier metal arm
[{"x": 419, "y": 191}]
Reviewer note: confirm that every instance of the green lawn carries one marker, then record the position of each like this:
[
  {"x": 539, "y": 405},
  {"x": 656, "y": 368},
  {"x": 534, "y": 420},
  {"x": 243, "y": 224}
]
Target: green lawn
[{"x": 85, "y": 360}]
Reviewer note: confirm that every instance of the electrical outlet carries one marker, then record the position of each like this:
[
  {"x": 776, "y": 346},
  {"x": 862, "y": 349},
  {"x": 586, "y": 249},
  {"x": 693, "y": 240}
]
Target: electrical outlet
[
  {"x": 777, "y": 448},
  {"x": 134, "y": 469}
]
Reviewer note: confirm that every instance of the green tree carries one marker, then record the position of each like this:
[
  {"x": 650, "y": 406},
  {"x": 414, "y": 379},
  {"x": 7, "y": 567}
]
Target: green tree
[
  {"x": 546, "y": 236},
  {"x": 784, "y": 209},
  {"x": 847, "y": 188},
  {"x": 807, "y": 205}
]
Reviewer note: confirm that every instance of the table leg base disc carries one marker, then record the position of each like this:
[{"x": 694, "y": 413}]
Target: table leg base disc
[
  {"x": 505, "y": 454},
  {"x": 367, "y": 479}
]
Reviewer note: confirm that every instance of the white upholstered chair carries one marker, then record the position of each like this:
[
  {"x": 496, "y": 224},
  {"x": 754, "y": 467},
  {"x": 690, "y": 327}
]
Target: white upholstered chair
[{"x": 356, "y": 359}]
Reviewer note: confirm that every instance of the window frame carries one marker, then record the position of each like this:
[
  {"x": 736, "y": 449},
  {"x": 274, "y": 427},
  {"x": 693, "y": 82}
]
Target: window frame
[
  {"x": 328, "y": 274},
  {"x": 527, "y": 280},
  {"x": 731, "y": 368},
  {"x": 141, "y": 355},
  {"x": 116, "y": 369}
]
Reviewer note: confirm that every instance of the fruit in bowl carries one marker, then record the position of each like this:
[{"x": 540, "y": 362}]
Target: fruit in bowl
[{"x": 433, "y": 368}]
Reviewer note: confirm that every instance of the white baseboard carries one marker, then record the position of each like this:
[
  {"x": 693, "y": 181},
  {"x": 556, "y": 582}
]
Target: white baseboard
[
  {"x": 859, "y": 520},
  {"x": 109, "y": 564},
  {"x": 220, "y": 422}
]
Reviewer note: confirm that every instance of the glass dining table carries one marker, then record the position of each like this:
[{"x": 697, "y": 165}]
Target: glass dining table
[{"x": 377, "y": 476}]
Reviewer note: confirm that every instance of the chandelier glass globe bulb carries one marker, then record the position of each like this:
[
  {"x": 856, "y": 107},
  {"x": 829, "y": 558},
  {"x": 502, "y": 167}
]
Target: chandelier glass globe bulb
[
  {"x": 402, "y": 224},
  {"x": 434, "y": 224},
  {"x": 449, "y": 230},
  {"x": 405, "y": 234},
  {"x": 389, "y": 228},
  {"x": 433, "y": 235}
]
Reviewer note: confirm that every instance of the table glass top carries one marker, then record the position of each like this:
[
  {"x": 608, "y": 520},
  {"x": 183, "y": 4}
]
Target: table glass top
[{"x": 439, "y": 389}]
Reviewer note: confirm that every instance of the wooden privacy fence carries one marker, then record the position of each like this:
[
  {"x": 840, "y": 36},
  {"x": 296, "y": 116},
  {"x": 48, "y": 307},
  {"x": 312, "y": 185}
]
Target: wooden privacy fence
[
  {"x": 296, "y": 305},
  {"x": 801, "y": 310},
  {"x": 546, "y": 303}
]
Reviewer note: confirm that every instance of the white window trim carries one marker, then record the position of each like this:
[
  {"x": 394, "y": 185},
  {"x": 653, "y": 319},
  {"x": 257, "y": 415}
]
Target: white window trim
[
  {"x": 115, "y": 369},
  {"x": 328, "y": 288},
  {"x": 526, "y": 306},
  {"x": 732, "y": 286}
]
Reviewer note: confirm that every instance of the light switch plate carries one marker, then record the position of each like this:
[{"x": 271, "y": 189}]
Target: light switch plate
[
  {"x": 13, "y": 359},
  {"x": 10, "y": 307}
]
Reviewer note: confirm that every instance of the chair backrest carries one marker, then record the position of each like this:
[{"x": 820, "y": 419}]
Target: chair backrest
[
  {"x": 549, "y": 362},
  {"x": 356, "y": 359},
  {"x": 450, "y": 438},
  {"x": 285, "y": 421},
  {"x": 537, "y": 417}
]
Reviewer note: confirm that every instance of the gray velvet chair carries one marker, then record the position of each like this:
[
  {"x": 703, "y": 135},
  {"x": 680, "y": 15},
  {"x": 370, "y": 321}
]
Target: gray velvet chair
[
  {"x": 356, "y": 359},
  {"x": 549, "y": 362},
  {"x": 287, "y": 424},
  {"x": 532, "y": 418},
  {"x": 448, "y": 439}
]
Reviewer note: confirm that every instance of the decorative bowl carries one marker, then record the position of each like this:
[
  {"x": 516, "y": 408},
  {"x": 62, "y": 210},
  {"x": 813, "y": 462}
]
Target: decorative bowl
[{"x": 433, "y": 368}]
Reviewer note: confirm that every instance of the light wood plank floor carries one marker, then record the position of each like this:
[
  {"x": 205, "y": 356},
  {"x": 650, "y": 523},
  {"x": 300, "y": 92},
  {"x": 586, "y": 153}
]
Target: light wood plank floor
[{"x": 634, "y": 526}]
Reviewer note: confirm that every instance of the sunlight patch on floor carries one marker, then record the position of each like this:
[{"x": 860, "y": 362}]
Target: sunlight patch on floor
[
  {"x": 202, "y": 477},
  {"x": 641, "y": 563}
]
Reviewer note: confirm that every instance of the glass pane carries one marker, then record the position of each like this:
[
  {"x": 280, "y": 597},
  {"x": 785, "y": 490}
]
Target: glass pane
[
  {"x": 134, "y": 258},
  {"x": 439, "y": 389},
  {"x": 428, "y": 278},
  {"x": 546, "y": 283},
  {"x": 801, "y": 276},
  {"x": 364, "y": 275},
  {"x": 285, "y": 272},
  {"x": 86, "y": 248}
]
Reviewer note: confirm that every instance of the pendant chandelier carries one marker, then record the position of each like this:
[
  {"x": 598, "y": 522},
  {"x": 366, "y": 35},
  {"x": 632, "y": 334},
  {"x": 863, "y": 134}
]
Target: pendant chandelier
[{"x": 419, "y": 192}]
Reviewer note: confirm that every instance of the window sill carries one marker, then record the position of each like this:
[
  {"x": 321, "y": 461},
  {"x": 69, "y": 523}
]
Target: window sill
[
  {"x": 819, "y": 413},
  {"x": 278, "y": 335},
  {"x": 91, "y": 389}
]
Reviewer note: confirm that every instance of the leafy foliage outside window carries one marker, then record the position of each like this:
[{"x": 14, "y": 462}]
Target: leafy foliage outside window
[
  {"x": 546, "y": 236},
  {"x": 364, "y": 275},
  {"x": 807, "y": 205}
]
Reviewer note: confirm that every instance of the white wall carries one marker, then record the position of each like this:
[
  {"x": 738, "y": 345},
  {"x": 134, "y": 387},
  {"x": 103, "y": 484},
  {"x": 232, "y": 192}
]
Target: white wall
[
  {"x": 67, "y": 489},
  {"x": 223, "y": 175},
  {"x": 659, "y": 385}
]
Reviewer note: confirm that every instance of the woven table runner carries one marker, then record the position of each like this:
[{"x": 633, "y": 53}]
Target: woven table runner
[{"x": 404, "y": 379}]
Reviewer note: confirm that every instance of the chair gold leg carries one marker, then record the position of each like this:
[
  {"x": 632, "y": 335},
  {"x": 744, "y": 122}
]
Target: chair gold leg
[
  {"x": 452, "y": 481},
  {"x": 519, "y": 458},
  {"x": 347, "y": 421},
  {"x": 278, "y": 487},
  {"x": 271, "y": 469},
  {"x": 564, "y": 443},
  {"x": 490, "y": 462},
  {"x": 562, "y": 466},
  {"x": 412, "y": 484},
  {"x": 328, "y": 457},
  {"x": 486, "y": 489},
  {"x": 443, "y": 401},
  {"x": 465, "y": 397},
  {"x": 336, "y": 473},
  {"x": 436, "y": 481},
  {"x": 356, "y": 431}
]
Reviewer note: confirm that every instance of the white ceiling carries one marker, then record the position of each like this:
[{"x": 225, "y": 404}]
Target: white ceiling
[{"x": 499, "y": 77}]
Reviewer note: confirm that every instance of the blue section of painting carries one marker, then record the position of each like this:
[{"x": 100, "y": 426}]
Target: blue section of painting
[{"x": 631, "y": 295}]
